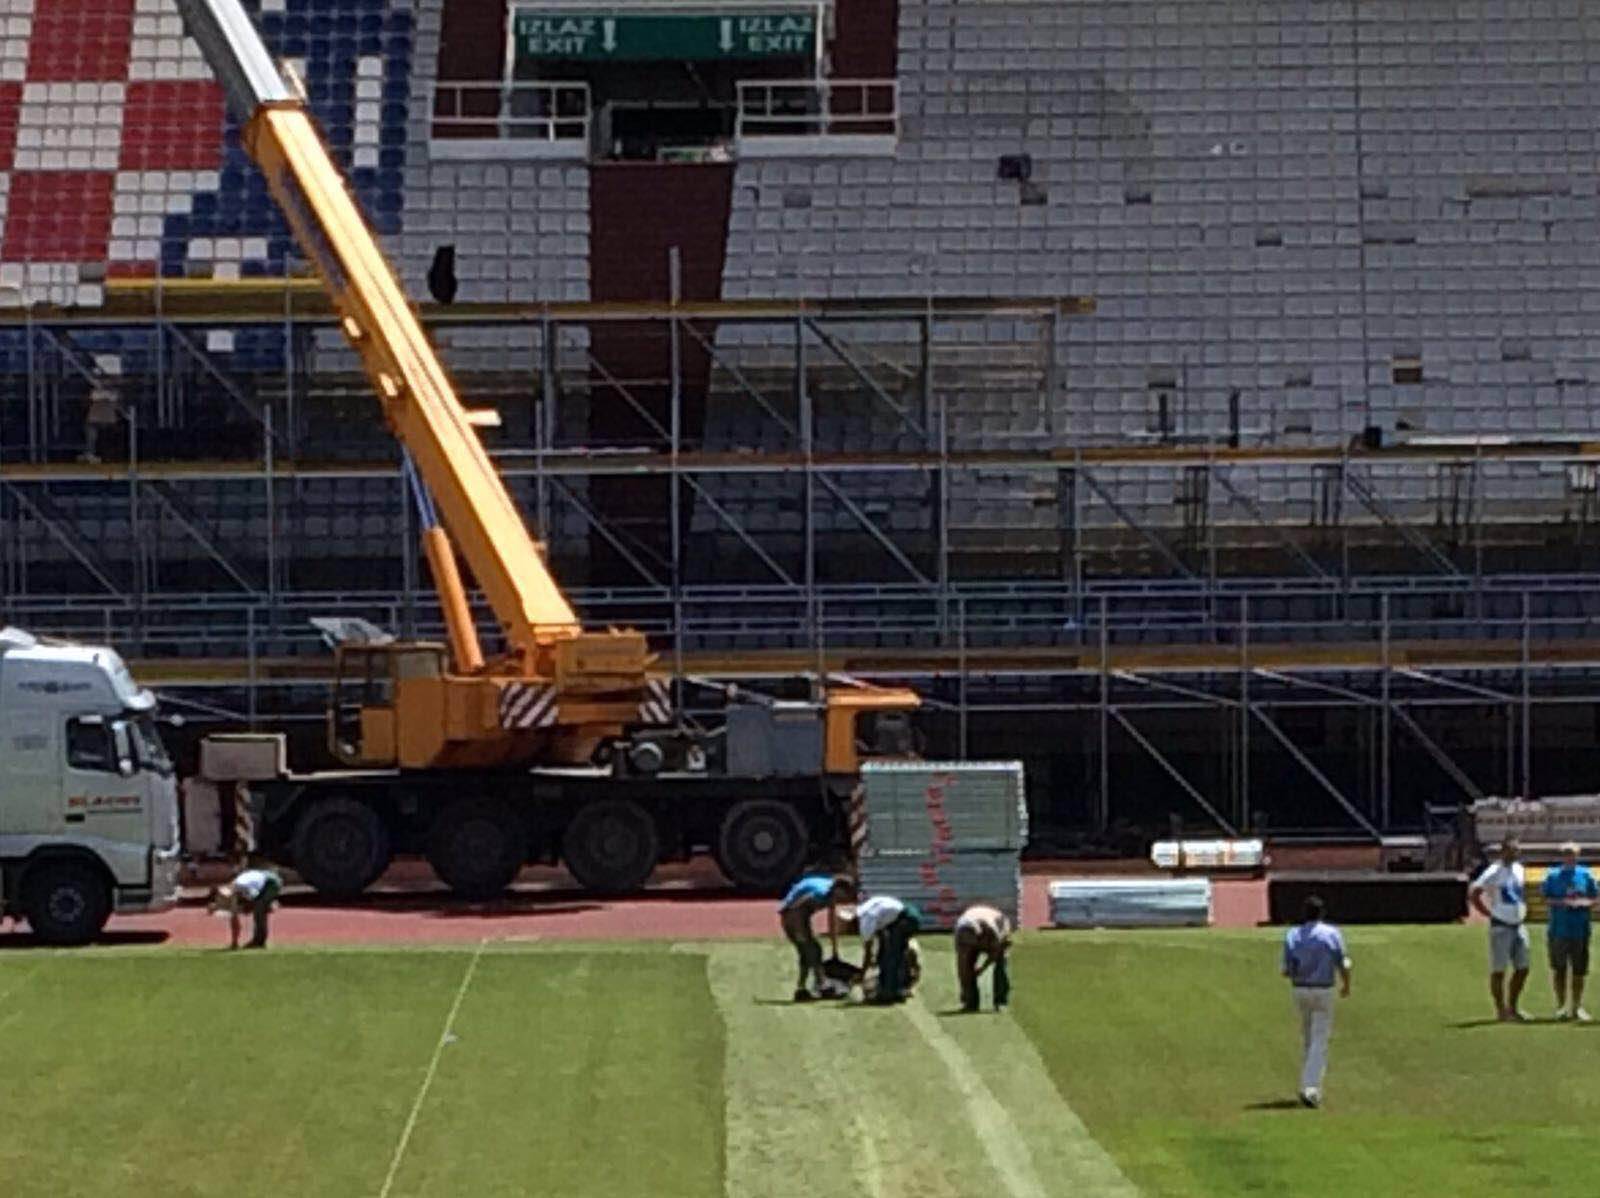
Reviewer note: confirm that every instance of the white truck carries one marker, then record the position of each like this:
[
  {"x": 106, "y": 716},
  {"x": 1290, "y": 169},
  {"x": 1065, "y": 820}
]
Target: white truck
[{"x": 88, "y": 796}]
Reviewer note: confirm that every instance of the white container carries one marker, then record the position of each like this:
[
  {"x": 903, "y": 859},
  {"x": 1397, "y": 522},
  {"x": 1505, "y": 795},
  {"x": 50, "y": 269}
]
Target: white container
[{"x": 1208, "y": 854}]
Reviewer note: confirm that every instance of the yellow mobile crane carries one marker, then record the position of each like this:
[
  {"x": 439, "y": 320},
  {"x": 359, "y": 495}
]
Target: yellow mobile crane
[{"x": 458, "y": 753}]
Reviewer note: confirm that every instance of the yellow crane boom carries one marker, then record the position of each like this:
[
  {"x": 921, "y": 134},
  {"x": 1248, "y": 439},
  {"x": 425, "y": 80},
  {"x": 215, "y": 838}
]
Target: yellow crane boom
[{"x": 597, "y": 679}]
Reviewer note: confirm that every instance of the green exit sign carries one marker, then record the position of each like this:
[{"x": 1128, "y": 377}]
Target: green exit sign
[{"x": 636, "y": 37}]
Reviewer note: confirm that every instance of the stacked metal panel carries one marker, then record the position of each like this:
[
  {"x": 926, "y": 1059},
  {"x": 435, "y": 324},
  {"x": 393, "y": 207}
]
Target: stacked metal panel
[
  {"x": 1131, "y": 903},
  {"x": 1538, "y": 821},
  {"x": 945, "y": 835}
]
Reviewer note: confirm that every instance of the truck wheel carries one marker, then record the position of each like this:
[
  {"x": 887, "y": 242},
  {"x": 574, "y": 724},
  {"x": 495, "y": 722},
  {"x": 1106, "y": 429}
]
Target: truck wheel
[
  {"x": 762, "y": 844},
  {"x": 477, "y": 848},
  {"x": 611, "y": 846},
  {"x": 66, "y": 902},
  {"x": 340, "y": 847}
]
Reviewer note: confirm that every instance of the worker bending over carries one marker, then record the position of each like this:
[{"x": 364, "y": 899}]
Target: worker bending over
[
  {"x": 806, "y": 897},
  {"x": 983, "y": 932},
  {"x": 257, "y": 889},
  {"x": 887, "y": 925}
]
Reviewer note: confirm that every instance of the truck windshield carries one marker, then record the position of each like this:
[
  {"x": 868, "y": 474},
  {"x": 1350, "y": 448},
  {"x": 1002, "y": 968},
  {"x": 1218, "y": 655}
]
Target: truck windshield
[{"x": 147, "y": 743}]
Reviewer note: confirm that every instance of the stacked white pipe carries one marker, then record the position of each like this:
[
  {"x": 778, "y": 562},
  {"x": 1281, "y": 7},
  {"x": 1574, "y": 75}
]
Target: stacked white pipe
[
  {"x": 945, "y": 835},
  {"x": 1131, "y": 903}
]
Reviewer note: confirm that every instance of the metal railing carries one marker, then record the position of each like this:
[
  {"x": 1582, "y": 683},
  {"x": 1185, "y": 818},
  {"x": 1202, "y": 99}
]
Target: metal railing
[
  {"x": 818, "y": 108},
  {"x": 516, "y": 111},
  {"x": 1527, "y": 610}
]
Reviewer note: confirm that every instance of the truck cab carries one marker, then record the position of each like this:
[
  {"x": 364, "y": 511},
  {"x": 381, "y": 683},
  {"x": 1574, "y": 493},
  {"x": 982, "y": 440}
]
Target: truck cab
[{"x": 88, "y": 797}]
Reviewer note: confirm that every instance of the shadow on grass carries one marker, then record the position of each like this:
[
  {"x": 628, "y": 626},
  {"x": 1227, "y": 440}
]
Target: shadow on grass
[
  {"x": 441, "y": 904},
  {"x": 1276, "y": 1104},
  {"x": 1493, "y": 1021},
  {"x": 104, "y": 940}
]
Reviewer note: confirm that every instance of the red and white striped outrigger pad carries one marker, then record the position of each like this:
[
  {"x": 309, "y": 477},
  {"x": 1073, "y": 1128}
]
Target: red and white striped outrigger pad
[
  {"x": 527, "y": 705},
  {"x": 244, "y": 820},
  {"x": 858, "y": 823}
]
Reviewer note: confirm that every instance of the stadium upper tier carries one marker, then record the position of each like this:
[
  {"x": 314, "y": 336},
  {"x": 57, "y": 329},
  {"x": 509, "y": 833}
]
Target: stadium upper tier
[
  {"x": 1311, "y": 203},
  {"x": 1297, "y": 221}
]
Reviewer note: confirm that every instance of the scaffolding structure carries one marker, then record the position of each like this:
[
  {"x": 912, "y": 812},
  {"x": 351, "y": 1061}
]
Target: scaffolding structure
[{"x": 1397, "y": 591}]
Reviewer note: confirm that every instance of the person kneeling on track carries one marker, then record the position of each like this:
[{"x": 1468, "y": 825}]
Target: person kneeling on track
[
  {"x": 887, "y": 926},
  {"x": 805, "y": 898},
  {"x": 983, "y": 932}
]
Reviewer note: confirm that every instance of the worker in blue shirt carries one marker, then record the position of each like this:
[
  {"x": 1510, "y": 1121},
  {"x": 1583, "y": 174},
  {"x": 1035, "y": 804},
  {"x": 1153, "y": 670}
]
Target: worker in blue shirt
[
  {"x": 805, "y": 898},
  {"x": 1570, "y": 891},
  {"x": 1313, "y": 960}
]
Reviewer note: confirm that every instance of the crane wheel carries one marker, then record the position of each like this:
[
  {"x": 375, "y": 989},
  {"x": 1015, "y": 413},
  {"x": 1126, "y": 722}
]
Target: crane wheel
[
  {"x": 611, "y": 846},
  {"x": 477, "y": 847},
  {"x": 341, "y": 847},
  {"x": 66, "y": 902},
  {"x": 762, "y": 844}
]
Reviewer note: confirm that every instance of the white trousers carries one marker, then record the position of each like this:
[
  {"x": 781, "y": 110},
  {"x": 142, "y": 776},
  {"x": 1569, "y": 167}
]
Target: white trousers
[{"x": 1316, "y": 1028}]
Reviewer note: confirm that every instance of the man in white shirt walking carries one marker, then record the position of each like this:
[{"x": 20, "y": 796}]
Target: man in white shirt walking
[
  {"x": 1313, "y": 958},
  {"x": 1504, "y": 885}
]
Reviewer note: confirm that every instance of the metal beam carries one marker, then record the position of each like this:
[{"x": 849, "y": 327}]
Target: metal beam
[
  {"x": 1272, "y": 526},
  {"x": 1374, "y": 503},
  {"x": 191, "y": 525},
  {"x": 56, "y": 524},
  {"x": 229, "y": 388},
  {"x": 1172, "y": 771},
  {"x": 639, "y": 410},
  {"x": 745, "y": 384},
  {"x": 1338, "y": 692},
  {"x": 612, "y": 539},
  {"x": 1470, "y": 688},
  {"x": 1310, "y": 767},
  {"x": 871, "y": 527},
  {"x": 1163, "y": 684},
  {"x": 640, "y": 460},
  {"x": 1155, "y": 542},
  {"x": 1440, "y": 757},
  {"x": 727, "y": 518},
  {"x": 860, "y": 372}
]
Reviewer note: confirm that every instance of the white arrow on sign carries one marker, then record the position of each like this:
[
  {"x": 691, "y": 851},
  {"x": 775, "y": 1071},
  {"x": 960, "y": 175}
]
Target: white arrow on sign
[
  {"x": 727, "y": 33},
  {"x": 608, "y": 41}
]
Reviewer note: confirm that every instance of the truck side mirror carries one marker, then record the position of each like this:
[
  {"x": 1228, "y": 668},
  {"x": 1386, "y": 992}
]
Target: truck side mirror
[{"x": 124, "y": 747}]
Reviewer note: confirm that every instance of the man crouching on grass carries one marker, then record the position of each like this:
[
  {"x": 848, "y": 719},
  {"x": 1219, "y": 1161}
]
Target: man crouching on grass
[
  {"x": 805, "y": 898},
  {"x": 257, "y": 889}
]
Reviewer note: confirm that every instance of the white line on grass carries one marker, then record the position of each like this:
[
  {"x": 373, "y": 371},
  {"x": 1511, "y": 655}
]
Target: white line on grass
[
  {"x": 868, "y": 1166},
  {"x": 433, "y": 1067},
  {"x": 1006, "y": 1150}
]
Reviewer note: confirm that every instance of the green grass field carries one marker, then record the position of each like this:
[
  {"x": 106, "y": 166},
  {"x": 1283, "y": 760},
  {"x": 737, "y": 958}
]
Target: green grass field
[{"x": 1151, "y": 1063}]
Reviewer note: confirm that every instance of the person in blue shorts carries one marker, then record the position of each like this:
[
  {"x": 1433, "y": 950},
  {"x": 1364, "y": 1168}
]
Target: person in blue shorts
[
  {"x": 811, "y": 894},
  {"x": 1570, "y": 891}
]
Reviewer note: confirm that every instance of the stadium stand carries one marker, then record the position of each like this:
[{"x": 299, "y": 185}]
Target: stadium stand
[{"x": 1298, "y": 223}]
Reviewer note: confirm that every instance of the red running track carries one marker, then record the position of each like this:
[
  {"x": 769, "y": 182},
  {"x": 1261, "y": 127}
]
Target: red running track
[{"x": 690, "y": 906}]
